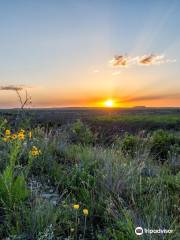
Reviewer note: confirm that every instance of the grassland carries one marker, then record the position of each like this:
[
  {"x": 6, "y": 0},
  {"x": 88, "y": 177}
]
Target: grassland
[{"x": 95, "y": 178}]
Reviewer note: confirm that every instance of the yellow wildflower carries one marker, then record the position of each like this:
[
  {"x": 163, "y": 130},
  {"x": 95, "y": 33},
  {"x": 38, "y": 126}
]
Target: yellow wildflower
[
  {"x": 85, "y": 211},
  {"x": 72, "y": 229},
  {"x": 14, "y": 136},
  {"x": 7, "y": 132},
  {"x": 30, "y": 135},
  {"x": 21, "y": 136},
  {"x": 76, "y": 206},
  {"x": 35, "y": 152}
]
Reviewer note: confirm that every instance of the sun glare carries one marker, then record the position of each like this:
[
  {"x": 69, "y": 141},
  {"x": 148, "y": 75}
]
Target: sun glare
[{"x": 109, "y": 103}]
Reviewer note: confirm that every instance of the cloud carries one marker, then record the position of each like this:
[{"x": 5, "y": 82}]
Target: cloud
[
  {"x": 148, "y": 59},
  {"x": 152, "y": 59},
  {"x": 119, "y": 61},
  {"x": 15, "y": 87},
  {"x": 11, "y": 88},
  {"x": 153, "y": 97}
]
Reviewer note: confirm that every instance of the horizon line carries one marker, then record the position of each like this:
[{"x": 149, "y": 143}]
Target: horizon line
[{"x": 109, "y": 108}]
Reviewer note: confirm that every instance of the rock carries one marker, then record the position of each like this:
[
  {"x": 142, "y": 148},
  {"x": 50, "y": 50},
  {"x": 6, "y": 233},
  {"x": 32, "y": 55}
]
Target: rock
[
  {"x": 51, "y": 197},
  {"x": 44, "y": 191}
]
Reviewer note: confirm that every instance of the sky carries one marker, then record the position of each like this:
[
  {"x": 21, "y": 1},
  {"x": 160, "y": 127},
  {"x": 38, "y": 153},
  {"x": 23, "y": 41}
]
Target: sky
[{"x": 82, "y": 53}]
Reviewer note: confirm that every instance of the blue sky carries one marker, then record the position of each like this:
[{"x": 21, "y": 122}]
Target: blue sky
[{"x": 60, "y": 51}]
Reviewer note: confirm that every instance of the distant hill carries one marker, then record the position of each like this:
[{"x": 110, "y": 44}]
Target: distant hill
[{"x": 139, "y": 107}]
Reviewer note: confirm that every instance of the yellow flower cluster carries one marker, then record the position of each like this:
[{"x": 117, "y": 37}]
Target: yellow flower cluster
[
  {"x": 85, "y": 210},
  {"x": 35, "y": 151},
  {"x": 20, "y": 135}
]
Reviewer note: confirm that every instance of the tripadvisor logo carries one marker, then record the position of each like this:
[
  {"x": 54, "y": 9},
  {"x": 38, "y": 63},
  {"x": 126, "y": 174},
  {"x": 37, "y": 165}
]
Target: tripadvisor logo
[{"x": 139, "y": 231}]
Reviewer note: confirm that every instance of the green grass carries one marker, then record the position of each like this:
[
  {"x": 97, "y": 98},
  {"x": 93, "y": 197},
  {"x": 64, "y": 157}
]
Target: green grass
[
  {"x": 123, "y": 185},
  {"x": 147, "y": 118}
]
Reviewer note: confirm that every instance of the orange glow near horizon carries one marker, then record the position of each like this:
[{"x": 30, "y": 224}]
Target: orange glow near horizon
[
  {"x": 109, "y": 103},
  {"x": 102, "y": 99}
]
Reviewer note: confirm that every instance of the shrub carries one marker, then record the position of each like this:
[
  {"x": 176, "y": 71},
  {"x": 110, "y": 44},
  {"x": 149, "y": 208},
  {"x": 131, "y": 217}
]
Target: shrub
[
  {"x": 80, "y": 133},
  {"x": 13, "y": 191},
  {"x": 161, "y": 143},
  {"x": 129, "y": 144}
]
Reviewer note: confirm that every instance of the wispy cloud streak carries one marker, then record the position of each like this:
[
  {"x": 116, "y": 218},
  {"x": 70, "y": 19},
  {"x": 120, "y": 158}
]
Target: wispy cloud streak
[
  {"x": 11, "y": 88},
  {"x": 152, "y": 97},
  {"x": 148, "y": 59}
]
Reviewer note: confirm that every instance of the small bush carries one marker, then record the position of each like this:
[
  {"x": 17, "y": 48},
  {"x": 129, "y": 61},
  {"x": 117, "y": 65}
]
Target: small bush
[
  {"x": 129, "y": 144},
  {"x": 161, "y": 144},
  {"x": 80, "y": 133}
]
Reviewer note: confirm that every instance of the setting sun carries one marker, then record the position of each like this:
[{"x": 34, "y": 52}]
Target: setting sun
[{"x": 109, "y": 103}]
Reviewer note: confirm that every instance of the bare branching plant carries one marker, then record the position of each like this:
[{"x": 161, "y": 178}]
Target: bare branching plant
[{"x": 25, "y": 101}]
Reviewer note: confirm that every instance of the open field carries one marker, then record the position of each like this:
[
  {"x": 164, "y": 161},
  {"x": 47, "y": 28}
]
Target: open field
[
  {"x": 68, "y": 115},
  {"x": 90, "y": 120},
  {"x": 106, "y": 123},
  {"x": 89, "y": 173}
]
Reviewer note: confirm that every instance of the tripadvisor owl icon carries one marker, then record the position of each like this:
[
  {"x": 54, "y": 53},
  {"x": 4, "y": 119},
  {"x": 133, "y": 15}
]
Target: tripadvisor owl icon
[{"x": 139, "y": 231}]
